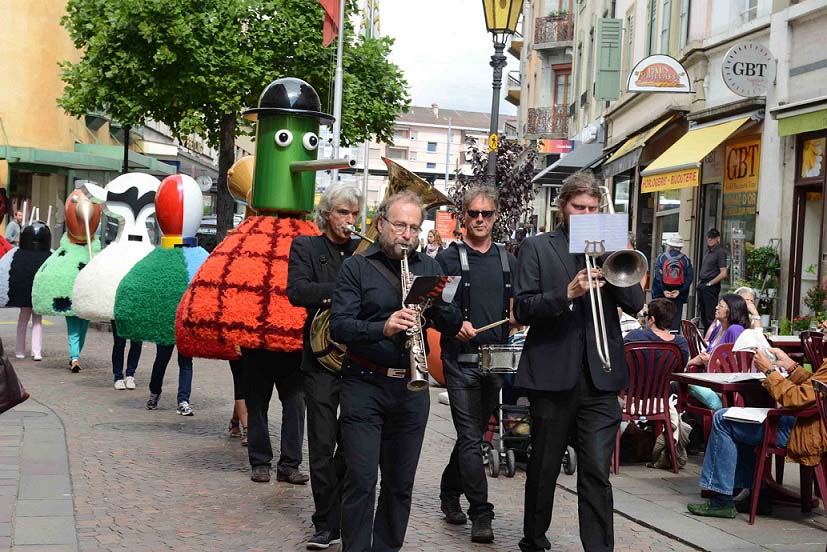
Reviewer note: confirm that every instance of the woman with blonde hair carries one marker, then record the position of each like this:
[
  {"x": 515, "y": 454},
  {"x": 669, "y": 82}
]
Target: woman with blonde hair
[{"x": 434, "y": 245}]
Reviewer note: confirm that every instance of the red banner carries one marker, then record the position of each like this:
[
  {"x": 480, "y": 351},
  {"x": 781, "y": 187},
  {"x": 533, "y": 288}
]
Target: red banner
[{"x": 331, "y": 21}]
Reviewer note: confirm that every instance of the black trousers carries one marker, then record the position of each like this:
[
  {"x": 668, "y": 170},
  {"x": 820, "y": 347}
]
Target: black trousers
[
  {"x": 707, "y": 301},
  {"x": 382, "y": 425},
  {"x": 262, "y": 369},
  {"x": 594, "y": 416},
  {"x": 327, "y": 466},
  {"x": 473, "y": 397}
]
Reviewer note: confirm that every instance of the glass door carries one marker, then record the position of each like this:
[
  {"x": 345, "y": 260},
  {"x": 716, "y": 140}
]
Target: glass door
[
  {"x": 710, "y": 210},
  {"x": 808, "y": 227}
]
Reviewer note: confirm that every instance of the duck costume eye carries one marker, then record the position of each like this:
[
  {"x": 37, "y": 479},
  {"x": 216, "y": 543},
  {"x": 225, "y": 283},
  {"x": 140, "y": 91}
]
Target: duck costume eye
[
  {"x": 284, "y": 138},
  {"x": 310, "y": 141}
]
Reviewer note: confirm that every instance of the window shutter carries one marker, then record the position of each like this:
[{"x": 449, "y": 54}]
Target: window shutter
[{"x": 609, "y": 40}]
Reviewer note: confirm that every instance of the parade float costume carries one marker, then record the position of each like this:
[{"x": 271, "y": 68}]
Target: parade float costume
[
  {"x": 54, "y": 282},
  {"x": 238, "y": 298},
  {"x": 17, "y": 270},
  {"x": 5, "y": 246}
]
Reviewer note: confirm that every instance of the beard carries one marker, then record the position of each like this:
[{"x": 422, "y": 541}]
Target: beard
[{"x": 392, "y": 246}]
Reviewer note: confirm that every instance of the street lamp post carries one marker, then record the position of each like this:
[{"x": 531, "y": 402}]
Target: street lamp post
[{"x": 501, "y": 18}]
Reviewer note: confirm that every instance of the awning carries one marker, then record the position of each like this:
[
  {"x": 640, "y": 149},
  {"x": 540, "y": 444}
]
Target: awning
[
  {"x": 136, "y": 160},
  {"x": 680, "y": 165},
  {"x": 582, "y": 156},
  {"x": 805, "y": 122},
  {"x": 66, "y": 160},
  {"x": 628, "y": 155}
]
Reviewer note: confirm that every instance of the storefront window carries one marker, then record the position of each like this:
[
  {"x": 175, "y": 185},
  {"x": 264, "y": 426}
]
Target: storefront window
[
  {"x": 667, "y": 215},
  {"x": 812, "y": 157},
  {"x": 621, "y": 195}
]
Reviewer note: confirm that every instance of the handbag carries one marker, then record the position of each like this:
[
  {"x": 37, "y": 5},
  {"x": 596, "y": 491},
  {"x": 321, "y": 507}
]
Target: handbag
[{"x": 11, "y": 390}]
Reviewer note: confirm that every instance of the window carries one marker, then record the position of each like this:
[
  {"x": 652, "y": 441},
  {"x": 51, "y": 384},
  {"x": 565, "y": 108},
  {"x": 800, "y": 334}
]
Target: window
[
  {"x": 430, "y": 165},
  {"x": 683, "y": 39},
  {"x": 432, "y": 147},
  {"x": 750, "y": 10},
  {"x": 665, "y": 23},
  {"x": 630, "y": 46},
  {"x": 401, "y": 134},
  {"x": 412, "y": 156},
  {"x": 562, "y": 87},
  {"x": 398, "y": 153},
  {"x": 652, "y": 17}
]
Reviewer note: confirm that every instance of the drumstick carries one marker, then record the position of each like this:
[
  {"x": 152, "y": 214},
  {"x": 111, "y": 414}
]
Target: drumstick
[{"x": 492, "y": 325}]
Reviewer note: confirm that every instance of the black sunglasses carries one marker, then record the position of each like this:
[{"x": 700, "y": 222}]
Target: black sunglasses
[{"x": 475, "y": 214}]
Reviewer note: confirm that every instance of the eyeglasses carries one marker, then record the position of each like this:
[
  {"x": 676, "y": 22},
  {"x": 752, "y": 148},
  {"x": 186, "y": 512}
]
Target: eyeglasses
[
  {"x": 475, "y": 214},
  {"x": 400, "y": 227}
]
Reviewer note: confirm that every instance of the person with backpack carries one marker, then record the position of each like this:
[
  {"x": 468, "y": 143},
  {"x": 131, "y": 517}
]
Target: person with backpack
[{"x": 673, "y": 276}]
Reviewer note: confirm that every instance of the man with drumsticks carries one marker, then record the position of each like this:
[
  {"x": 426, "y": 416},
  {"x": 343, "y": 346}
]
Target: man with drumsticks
[
  {"x": 484, "y": 298},
  {"x": 313, "y": 266},
  {"x": 560, "y": 367}
]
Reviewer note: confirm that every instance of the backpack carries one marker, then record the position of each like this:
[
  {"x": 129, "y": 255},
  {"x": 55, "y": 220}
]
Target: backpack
[{"x": 672, "y": 271}]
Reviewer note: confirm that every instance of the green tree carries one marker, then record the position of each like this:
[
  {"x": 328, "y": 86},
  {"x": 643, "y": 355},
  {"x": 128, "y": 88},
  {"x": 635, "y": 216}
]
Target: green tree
[{"x": 196, "y": 64}]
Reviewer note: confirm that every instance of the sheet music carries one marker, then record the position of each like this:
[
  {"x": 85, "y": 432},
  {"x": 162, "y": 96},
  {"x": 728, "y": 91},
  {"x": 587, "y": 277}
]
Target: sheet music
[
  {"x": 612, "y": 229},
  {"x": 747, "y": 414}
]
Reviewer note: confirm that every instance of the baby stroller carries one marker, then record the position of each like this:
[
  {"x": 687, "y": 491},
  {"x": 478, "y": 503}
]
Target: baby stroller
[{"x": 511, "y": 423}]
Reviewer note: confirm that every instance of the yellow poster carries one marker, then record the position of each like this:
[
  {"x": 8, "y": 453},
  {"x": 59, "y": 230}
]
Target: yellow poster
[
  {"x": 742, "y": 161},
  {"x": 684, "y": 178}
]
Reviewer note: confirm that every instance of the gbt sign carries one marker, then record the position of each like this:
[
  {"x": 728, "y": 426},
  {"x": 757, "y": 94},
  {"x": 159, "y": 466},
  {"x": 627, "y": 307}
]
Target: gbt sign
[{"x": 748, "y": 69}]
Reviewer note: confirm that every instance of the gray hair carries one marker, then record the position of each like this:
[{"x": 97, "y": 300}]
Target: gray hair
[
  {"x": 406, "y": 196},
  {"x": 334, "y": 195},
  {"x": 746, "y": 289},
  {"x": 488, "y": 192}
]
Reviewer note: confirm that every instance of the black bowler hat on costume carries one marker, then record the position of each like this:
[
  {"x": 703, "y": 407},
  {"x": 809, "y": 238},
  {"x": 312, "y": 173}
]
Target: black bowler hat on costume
[
  {"x": 289, "y": 96},
  {"x": 36, "y": 237}
]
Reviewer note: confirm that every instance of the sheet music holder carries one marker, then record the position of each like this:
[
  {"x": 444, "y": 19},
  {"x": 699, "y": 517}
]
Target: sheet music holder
[{"x": 430, "y": 287}]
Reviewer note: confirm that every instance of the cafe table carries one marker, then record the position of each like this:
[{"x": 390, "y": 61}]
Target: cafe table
[{"x": 790, "y": 344}]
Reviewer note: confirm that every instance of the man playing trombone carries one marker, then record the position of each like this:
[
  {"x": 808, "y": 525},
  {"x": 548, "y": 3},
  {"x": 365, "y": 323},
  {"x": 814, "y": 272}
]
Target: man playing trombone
[
  {"x": 569, "y": 388},
  {"x": 484, "y": 298}
]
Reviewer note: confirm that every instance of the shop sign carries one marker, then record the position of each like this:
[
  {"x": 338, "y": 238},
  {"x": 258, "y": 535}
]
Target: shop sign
[
  {"x": 684, "y": 178},
  {"x": 748, "y": 69},
  {"x": 445, "y": 224},
  {"x": 658, "y": 73},
  {"x": 740, "y": 190},
  {"x": 556, "y": 146}
]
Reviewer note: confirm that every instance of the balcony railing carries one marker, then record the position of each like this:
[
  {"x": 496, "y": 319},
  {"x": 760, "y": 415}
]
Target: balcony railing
[
  {"x": 513, "y": 80},
  {"x": 548, "y": 121},
  {"x": 554, "y": 28}
]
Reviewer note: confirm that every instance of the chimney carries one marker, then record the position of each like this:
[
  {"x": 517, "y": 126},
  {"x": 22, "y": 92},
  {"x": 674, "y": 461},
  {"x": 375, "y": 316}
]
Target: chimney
[{"x": 435, "y": 107}]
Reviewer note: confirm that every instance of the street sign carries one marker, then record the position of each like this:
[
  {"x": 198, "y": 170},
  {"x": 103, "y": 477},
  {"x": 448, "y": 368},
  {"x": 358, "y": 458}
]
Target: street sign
[{"x": 493, "y": 142}]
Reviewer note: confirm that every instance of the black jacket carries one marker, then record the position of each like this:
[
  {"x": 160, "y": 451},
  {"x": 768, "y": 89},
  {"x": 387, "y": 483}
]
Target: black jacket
[
  {"x": 561, "y": 337},
  {"x": 312, "y": 267},
  {"x": 364, "y": 299}
]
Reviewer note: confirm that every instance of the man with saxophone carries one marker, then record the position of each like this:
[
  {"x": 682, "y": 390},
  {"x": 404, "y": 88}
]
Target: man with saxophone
[
  {"x": 569, "y": 389},
  {"x": 485, "y": 297},
  {"x": 313, "y": 265},
  {"x": 382, "y": 421}
]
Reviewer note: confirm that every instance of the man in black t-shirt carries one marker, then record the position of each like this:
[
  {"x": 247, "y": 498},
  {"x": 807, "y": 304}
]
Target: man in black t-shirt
[
  {"x": 484, "y": 297},
  {"x": 713, "y": 272}
]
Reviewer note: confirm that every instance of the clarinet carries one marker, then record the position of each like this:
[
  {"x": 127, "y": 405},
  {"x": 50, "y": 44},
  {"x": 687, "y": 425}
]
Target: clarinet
[{"x": 416, "y": 337}]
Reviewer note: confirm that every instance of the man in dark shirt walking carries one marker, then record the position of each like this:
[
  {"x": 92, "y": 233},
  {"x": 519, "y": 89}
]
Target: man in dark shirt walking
[
  {"x": 382, "y": 422},
  {"x": 713, "y": 272},
  {"x": 484, "y": 298}
]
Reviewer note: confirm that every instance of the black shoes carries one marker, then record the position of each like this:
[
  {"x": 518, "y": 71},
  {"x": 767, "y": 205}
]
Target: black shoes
[
  {"x": 260, "y": 474},
  {"x": 481, "y": 529},
  {"x": 292, "y": 476},
  {"x": 453, "y": 512},
  {"x": 323, "y": 539}
]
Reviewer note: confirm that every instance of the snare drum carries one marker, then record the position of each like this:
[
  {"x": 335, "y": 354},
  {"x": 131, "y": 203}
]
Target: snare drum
[{"x": 500, "y": 359}]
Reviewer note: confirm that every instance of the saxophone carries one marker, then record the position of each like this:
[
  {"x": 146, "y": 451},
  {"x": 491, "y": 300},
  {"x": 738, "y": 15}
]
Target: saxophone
[{"x": 416, "y": 337}]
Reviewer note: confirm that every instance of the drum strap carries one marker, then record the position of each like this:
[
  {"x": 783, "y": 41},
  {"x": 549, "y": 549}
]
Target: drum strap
[{"x": 466, "y": 280}]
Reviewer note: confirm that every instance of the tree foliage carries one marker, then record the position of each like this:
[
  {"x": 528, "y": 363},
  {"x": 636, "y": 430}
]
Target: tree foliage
[
  {"x": 515, "y": 169},
  {"x": 196, "y": 64}
]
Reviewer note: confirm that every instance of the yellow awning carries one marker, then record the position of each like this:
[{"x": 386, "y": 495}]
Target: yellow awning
[
  {"x": 679, "y": 166},
  {"x": 638, "y": 140}
]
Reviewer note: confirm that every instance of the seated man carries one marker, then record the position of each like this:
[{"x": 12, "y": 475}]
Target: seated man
[
  {"x": 660, "y": 313},
  {"x": 730, "y": 453}
]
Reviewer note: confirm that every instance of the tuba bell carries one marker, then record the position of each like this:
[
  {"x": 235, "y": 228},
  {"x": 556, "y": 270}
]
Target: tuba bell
[{"x": 329, "y": 353}]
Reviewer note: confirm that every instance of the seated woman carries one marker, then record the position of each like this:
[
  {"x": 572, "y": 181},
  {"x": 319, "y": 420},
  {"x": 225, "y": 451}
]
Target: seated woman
[
  {"x": 660, "y": 313},
  {"x": 731, "y": 316},
  {"x": 755, "y": 319},
  {"x": 730, "y": 453}
]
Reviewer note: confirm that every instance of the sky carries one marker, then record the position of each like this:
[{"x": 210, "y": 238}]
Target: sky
[{"x": 444, "y": 50}]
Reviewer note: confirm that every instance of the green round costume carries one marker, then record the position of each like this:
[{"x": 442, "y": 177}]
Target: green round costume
[{"x": 53, "y": 283}]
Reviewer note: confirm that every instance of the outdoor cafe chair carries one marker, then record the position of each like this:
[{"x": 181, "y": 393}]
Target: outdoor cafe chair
[
  {"x": 815, "y": 347},
  {"x": 693, "y": 337},
  {"x": 651, "y": 365}
]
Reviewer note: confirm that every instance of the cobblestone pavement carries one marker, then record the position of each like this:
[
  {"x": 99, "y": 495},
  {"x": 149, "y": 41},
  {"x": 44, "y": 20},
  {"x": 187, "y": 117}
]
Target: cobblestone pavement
[{"x": 152, "y": 480}]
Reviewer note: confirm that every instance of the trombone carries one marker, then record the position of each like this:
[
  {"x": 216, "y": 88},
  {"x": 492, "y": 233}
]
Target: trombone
[{"x": 624, "y": 268}]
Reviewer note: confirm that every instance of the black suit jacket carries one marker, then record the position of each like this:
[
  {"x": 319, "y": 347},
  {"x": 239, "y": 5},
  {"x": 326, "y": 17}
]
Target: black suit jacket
[
  {"x": 312, "y": 268},
  {"x": 560, "y": 337}
]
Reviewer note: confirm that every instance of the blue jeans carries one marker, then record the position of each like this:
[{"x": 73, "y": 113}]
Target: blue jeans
[
  {"x": 76, "y": 330},
  {"x": 730, "y": 453},
  {"x": 159, "y": 368},
  {"x": 118, "y": 349}
]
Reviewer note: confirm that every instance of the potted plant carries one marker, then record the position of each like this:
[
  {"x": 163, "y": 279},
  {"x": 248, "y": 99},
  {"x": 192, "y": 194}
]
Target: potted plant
[
  {"x": 785, "y": 328},
  {"x": 763, "y": 266},
  {"x": 815, "y": 298},
  {"x": 800, "y": 324}
]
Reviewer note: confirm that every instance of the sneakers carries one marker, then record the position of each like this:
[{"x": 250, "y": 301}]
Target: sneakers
[
  {"x": 706, "y": 509},
  {"x": 37, "y": 358},
  {"x": 453, "y": 512},
  {"x": 120, "y": 385},
  {"x": 130, "y": 383},
  {"x": 292, "y": 476},
  {"x": 184, "y": 409},
  {"x": 481, "y": 529},
  {"x": 260, "y": 474},
  {"x": 152, "y": 401},
  {"x": 74, "y": 366},
  {"x": 21, "y": 357},
  {"x": 323, "y": 539}
]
